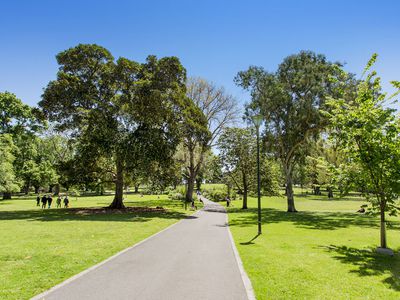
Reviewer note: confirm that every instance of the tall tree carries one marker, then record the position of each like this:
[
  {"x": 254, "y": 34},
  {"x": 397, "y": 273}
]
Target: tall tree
[
  {"x": 368, "y": 132},
  {"x": 220, "y": 110},
  {"x": 290, "y": 101},
  {"x": 122, "y": 110}
]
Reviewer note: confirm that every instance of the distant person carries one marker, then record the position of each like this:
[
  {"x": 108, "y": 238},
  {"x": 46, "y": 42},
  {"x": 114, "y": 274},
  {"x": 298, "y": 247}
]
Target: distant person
[
  {"x": 58, "y": 201},
  {"x": 44, "y": 201},
  {"x": 66, "y": 202},
  {"x": 228, "y": 201},
  {"x": 38, "y": 200},
  {"x": 49, "y": 200},
  {"x": 361, "y": 210}
]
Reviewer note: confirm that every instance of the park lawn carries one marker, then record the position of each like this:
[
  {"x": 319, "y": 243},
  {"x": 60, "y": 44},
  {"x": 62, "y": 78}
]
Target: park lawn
[
  {"x": 41, "y": 248},
  {"x": 326, "y": 251}
]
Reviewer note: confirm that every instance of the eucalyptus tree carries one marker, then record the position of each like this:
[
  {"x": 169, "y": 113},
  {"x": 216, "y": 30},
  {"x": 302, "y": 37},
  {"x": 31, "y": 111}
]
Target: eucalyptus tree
[
  {"x": 120, "y": 109},
  {"x": 220, "y": 110},
  {"x": 290, "y": 101},
  {"x": 367, "y": 130}
]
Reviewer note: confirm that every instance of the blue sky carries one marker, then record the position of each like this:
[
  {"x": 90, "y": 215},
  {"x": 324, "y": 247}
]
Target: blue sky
[{"x": 213, "y": 39}]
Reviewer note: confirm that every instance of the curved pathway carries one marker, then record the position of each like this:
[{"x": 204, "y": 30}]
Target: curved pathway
[{"x": 193, "y": 259}]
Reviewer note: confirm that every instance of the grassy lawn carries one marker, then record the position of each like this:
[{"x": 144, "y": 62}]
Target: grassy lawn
[
  {"x": 326, "y": 251},
  {"x": 40, "y": 248}
]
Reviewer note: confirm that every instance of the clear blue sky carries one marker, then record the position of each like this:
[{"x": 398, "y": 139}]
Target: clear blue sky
[{"x": 213, "y": 39}]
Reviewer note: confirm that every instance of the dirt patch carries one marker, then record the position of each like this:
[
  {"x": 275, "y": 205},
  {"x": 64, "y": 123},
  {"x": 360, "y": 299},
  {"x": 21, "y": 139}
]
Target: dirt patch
[{"x": 105, "y": 210}]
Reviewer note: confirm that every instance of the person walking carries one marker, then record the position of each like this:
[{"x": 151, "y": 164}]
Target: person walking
[
  {"x": 38, "y": 200},
  {"x": 44, "y": 201},
  {"x": 66, "y": 202},
  {"x": 49, "y": 200},
  {"x": 59, "y": 201}
]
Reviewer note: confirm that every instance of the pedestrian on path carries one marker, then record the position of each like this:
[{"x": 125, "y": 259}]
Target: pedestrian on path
[
  {"x": 66, "y": 201},
  {"x": 44, "y": 201},
  {"x": 58, "y": 201},
  {"x": 49, "y": 200},
  {"x": 38, "y": 200}
]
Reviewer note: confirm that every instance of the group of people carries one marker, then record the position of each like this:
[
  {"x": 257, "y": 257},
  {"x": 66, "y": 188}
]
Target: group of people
[{"x": 47, "y": 200}]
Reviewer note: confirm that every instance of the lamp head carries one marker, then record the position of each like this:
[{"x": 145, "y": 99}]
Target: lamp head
[{"x": 257, "y": 120}]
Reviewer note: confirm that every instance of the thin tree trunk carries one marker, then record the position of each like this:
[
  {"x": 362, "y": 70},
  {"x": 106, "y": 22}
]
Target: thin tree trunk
[
  {"x": 36, "y": 189},
  {"x": 289, "y": 190},
  {"x": 137, "y": 188},
  {"x": 383, "y": 225},
  {"x": 6, "y": 195},
  {"x": 119, "y": 187}
]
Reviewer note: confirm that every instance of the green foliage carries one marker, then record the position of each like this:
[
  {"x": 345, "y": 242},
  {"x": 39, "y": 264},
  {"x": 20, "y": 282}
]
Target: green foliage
[
  {"x": 290, "y": 101},
  {"x": 123, "y": 111},
  {"x": 369, "y": 134},
  {"x": 8, "y": 180},
  {"x": 215, "y": 192}
]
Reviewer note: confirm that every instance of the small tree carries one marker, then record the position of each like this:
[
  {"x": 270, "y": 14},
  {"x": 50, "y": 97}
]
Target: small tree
[
  {"x": 238, "y": 152},
  {"x": 369, "y": 134}
]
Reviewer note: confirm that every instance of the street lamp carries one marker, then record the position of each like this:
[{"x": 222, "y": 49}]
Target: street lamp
[{"x": 257, "y": 120}]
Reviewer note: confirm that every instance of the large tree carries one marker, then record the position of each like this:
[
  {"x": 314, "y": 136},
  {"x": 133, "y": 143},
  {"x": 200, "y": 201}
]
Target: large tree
[
  {"x": 122, "y": 110},
  {"x": 290, "y": 101},
  {"x": 219, "y": 110},
  {"x": 368, "y": 132}
]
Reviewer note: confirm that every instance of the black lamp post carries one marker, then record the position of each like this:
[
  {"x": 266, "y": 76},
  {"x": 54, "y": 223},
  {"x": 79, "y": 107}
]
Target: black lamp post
[{"x": 257, "y": 120}]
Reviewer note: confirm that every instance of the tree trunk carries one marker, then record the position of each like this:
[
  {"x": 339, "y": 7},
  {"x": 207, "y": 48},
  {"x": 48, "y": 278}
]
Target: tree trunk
[
  {"x": 6, "y": 195},
  {"x": 137, "y": 188},
  {"x": 244, "y": 206},
  {"x": 383, "y": 225},
  {"x": 119, "y": 187},
  {"x": 289, "y": 190},
  {"x": 190, "y": 187},
  {"x": 36, "y": 189},
  {"x": 57, "y": 189}
]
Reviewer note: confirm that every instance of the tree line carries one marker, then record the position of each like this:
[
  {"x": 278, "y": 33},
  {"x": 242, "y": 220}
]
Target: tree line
[{"x": 106, "y": 121}]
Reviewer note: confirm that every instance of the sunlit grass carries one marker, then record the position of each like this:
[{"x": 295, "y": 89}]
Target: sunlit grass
[
  {"x": 40, "y": 248},
  {"x": 325, "y": 251}
]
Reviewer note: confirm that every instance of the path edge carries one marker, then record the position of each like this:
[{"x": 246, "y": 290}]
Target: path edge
[
  {"x": 84, "y": 272},
  {"x": 245, "y": 278}
]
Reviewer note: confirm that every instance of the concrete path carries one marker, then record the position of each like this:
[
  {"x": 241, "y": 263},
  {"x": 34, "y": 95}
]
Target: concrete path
[{"x": 193, "y": 259}]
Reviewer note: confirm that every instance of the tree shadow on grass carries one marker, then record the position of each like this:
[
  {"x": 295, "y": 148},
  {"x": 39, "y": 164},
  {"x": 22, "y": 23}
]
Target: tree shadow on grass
[
  {"x": 62, "y": 214},
  {"x": 306, "y": 219},
  {"x": 369, "y": 263}
]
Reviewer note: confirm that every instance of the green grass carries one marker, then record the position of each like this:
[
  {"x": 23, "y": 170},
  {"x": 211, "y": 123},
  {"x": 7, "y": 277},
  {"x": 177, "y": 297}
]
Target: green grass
[
  {"x": 40, "y": 248},
  {"x": 326, "y": 251}
]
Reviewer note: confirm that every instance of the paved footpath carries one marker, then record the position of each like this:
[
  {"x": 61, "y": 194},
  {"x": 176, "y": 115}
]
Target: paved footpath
[{"x": 193, "y": 259}]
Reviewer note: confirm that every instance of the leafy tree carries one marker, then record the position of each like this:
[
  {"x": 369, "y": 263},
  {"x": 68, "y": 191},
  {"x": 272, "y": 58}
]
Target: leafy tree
[
  {"x": 218, "y": 110},
  {"x": 290, "y": 101},
  {"x": 17, "y": 117},
  {"x": 369, "y": 134},
  {"x": 237, "y": 152},
  {"x": 21, "y": 122},
  {"x": 8, "y": 180},
  {"x": 122, "y": 110}
]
